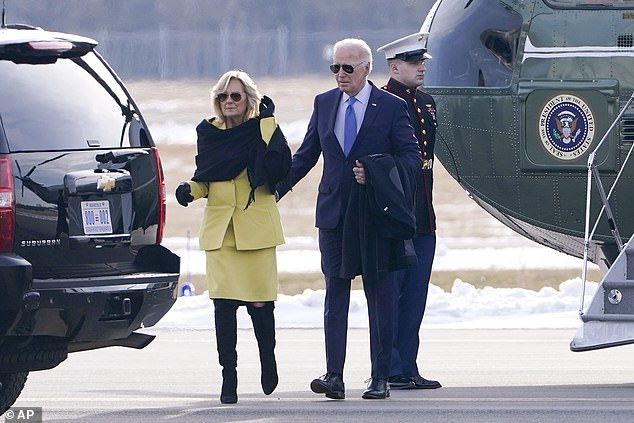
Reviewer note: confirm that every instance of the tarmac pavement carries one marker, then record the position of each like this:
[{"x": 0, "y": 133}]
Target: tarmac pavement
[{"x": 487, "y": 376}]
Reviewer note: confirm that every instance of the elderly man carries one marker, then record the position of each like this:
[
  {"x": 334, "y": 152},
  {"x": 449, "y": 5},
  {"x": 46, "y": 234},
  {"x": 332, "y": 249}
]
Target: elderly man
[{"x": 350, "y": 122}]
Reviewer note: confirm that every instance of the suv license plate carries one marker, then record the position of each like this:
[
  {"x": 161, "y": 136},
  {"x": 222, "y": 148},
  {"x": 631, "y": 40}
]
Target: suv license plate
[{"x": 96, "y": 217}]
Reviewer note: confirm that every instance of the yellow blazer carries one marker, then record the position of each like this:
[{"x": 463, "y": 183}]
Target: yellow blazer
[{"x": 257, "y": 227}]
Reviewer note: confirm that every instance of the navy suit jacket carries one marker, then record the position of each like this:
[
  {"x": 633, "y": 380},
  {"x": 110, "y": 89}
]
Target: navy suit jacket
[{"x": 385, "y": 129}]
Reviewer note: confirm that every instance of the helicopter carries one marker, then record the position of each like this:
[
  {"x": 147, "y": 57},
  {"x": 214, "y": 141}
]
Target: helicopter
[{"x": 535, "y": 120}]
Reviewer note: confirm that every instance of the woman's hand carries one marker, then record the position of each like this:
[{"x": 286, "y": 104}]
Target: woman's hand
[
  {"x": 267, "y": 108},
  {"x": 183, "y": 194}
]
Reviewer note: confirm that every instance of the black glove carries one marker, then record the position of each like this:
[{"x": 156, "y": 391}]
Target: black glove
[
  {"x": 183, "y": 194},
  {"x": 267, "y": 108}
]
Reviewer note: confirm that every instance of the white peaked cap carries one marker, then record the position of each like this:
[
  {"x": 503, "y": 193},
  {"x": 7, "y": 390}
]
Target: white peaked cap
[{"x": 410, "y": 49}]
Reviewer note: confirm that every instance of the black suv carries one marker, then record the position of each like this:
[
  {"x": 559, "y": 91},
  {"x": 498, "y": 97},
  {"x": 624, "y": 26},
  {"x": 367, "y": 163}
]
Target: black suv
[{"x": 82, "y": 208}]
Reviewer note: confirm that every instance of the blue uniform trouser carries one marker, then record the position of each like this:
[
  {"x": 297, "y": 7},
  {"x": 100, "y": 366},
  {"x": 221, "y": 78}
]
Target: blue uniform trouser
[{"x": 410, "y": 297}]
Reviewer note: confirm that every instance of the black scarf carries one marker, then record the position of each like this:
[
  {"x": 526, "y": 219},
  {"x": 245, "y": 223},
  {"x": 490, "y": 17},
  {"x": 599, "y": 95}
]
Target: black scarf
[{"x": 224, "y": 153}]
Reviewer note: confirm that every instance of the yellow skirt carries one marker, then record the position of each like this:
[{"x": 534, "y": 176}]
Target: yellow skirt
[{"x": 245, "y": 275}]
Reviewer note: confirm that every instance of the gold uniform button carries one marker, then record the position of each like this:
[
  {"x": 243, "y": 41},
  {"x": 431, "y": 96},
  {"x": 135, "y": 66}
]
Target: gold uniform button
[
  {"x": 424, "y": 132},
  {"x": 418, "y": 110},
  {"x": 425, "y": 143}
]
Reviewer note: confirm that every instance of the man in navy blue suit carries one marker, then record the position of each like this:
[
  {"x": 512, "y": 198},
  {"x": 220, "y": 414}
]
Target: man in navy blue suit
[{"x": 352, "y": 121}]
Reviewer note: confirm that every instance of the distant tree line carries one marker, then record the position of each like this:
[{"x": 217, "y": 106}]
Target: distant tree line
[{"x": 169, "y": 39}]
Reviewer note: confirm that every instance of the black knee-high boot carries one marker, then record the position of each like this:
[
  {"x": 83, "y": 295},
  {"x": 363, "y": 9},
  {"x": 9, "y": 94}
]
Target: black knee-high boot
[
  {"x": 226, "y": 339},
  {"x": 264, "y": 328}
]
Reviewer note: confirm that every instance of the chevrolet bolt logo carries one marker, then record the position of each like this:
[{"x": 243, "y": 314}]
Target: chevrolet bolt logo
[{"x": 106, "y": 183}]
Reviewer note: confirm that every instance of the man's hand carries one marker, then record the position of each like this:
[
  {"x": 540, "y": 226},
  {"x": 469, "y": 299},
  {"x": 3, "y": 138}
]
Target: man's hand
[
  {"x": 183, "y": 194},
  {"x": 267, "y": 108},
  {"x": 359, "y": 172}
]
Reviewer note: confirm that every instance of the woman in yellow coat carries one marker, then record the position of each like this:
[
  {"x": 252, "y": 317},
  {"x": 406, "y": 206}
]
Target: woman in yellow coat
[{"x": 241, "y": 156}]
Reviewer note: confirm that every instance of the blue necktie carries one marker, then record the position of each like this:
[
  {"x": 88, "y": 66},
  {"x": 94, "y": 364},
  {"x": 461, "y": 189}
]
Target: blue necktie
[{"x": 350, "y": 127}]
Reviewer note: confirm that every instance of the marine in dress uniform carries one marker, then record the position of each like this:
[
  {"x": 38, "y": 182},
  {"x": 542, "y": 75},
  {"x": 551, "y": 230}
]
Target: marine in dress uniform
[{"x": 406, "y": 60}]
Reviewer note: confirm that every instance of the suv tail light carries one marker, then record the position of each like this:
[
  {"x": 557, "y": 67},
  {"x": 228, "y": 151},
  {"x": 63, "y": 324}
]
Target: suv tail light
[
  {"x": 161, "y": 195},
  {"x": 7, "y": 206}
]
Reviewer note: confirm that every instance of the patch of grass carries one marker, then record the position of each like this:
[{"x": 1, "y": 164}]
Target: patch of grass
[{"x": 532, "y": 279}]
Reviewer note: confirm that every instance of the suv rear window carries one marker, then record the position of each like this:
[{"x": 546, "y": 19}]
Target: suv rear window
[{"x": 62, "y": 105}]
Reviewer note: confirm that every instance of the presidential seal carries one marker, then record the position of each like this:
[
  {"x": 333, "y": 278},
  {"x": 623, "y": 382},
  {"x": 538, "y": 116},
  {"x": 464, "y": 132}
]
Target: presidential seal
[{"x": 566, "y": 126}]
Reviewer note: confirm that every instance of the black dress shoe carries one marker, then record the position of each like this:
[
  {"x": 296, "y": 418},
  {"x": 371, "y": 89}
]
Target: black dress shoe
[
  {"x": 377, "y": 389},
  {"x": 401, "y": 382},
  {"x": 420, "y": 382},
  {"x": 330, "y": 384}
]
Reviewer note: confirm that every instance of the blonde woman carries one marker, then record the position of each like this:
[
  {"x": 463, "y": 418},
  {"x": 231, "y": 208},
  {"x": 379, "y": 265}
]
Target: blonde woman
[{"x": 242, "y": 154}]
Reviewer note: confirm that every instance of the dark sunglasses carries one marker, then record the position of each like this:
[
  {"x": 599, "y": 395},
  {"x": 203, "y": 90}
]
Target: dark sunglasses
[
  {"x": 222, "y": 97},
  {"x": 346, "y": 68}
]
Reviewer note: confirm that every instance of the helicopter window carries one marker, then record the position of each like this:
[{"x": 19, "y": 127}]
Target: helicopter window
[
  {"x": 584, "y": 4},
  {"x": 473, "y": 44}
]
